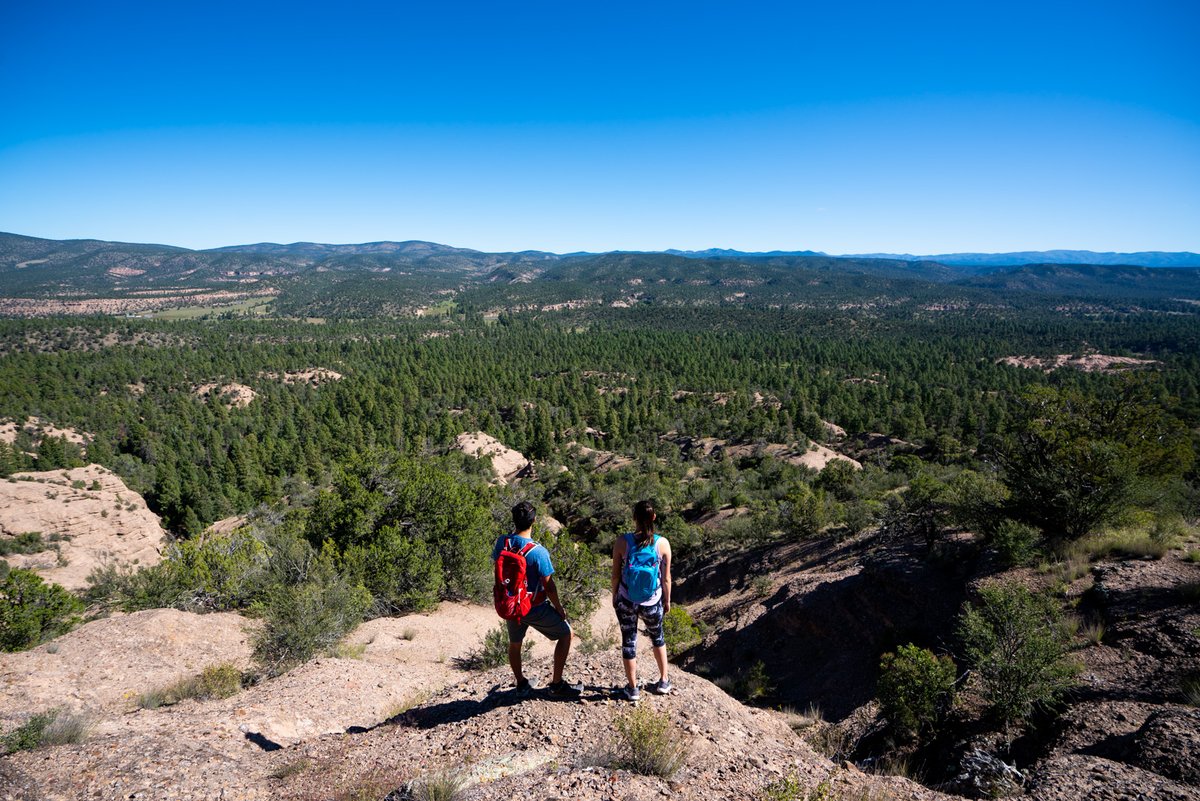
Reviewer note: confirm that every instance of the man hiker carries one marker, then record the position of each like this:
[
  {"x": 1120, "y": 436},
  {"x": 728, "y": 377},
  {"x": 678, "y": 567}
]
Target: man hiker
[{"x": 532, "y": 602}]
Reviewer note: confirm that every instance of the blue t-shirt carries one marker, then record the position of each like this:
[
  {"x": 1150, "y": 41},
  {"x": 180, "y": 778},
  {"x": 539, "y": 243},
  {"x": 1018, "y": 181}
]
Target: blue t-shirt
[{"x": 537, "y": 561}]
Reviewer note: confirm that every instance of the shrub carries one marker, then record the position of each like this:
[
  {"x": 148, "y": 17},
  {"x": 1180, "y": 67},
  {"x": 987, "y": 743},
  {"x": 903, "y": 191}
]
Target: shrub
[
  {"x": 802, "y": 513},
  {"x": 56, "y": 727},
  {"x": 214, "y": 574},
  {"x": 306, "y": 619},
  {"x": 1017, "y": 644},
  {"x": 32, "y": 611},
  {"x": 29, "y": 542},
  {"x": 492, "y": 651},
  {"x": 444, "y": 785},
  {"x": 647, "y": 743},
  {"x": 415, "y": 510},
  {"x": 1015, "y": 543},
  {"x": 1190, "y": 687},
  {"x": 1127, "y": 542},
  {"x": 579, "y": 574},
  {"x": 976, "y": 501},
  {"x": 1074, "y": 462},
  {"x": 916, "y": 688},
  {"x": 680, "y": 631},
  {"x": 215, "y": 681}
]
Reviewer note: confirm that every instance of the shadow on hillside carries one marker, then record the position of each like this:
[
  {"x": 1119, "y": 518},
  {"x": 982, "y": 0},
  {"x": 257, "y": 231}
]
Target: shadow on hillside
[
  {"x": 433, "y": 715},
  {"x": 821, "y": 644}
]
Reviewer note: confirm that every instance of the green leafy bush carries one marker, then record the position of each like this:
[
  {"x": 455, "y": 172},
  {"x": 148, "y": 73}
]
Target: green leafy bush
[
  {"x": 214, "y": 574},
  {"x": 33, "y": 611},
  {"x": 647, "y": 743},
  {"x": 680, "y": 631},
  {"x": 1016, "y": 543},
  {"x": 29, "y": 542},
  {"x": 410, "y": 530},
  {"x": 1074, "y": 462},
  {"x": 916, "y": 688},
  {"x": 802, "y": 513},
  {"x": 303, "y": 620},
  {"x": 1017, "y": 644},
  {"x": 492, "y": 651},
  {"x": 976, "y": 501}
]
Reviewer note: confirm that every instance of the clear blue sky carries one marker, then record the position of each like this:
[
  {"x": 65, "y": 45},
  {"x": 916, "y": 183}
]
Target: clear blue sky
[{"x": 854, "y": 127}]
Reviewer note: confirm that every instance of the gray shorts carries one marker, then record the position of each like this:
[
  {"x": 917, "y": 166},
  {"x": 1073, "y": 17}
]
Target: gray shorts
[{"x": 545, "y": 619}]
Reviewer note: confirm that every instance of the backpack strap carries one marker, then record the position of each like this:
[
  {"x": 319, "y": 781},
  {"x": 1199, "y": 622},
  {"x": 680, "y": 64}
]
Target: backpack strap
[{"x": 529, "y": 546}]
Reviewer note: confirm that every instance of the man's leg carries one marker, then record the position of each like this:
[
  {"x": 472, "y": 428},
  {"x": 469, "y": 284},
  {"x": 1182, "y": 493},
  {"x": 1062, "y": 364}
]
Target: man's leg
[
  {"x": 516, "y": 637},
  {"x": 561, "y": 649},
  {"x": 514, "y": 660}
]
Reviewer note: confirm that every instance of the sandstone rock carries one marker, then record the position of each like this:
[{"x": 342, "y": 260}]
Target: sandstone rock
[
  {"x": 93, "y": 516},
  {"x": 509, "y": 465}
]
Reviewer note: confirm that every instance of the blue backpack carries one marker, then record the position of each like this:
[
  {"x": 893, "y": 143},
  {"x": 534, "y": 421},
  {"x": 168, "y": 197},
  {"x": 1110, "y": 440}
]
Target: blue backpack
[{"x": 640, "y": 575}]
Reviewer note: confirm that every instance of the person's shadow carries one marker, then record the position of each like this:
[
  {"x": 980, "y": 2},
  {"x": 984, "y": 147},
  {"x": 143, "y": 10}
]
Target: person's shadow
[{"x": 433, "y": 715}]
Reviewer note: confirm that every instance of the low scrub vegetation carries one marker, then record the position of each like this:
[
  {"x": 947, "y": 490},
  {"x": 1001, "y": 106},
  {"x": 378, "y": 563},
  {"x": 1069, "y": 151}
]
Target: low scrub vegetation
[
  {"x": 916, "y": 688},
  {"x": 33, "y": 611},
  {"x": 1016, "y": 642},
  {"x": 647, "y": 742},
  {"x": 57, "y": 727},
  {"x": 215, "y": 681},
  {"x": 443, "y": 785},
  {"x": 680, "y": 631},
  {"x": 492, "y": 652}
]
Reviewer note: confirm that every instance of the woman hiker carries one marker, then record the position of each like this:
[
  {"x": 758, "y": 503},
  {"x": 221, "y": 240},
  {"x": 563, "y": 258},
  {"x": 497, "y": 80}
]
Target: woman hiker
[{"x": 641, "y": 587}]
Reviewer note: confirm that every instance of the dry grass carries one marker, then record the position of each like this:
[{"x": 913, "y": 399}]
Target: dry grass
[
  {"x": 215, "y": 681},
  {"x": 646, "y": 742},
  {"x": 445, "y": 785},
  {"x": 1135, "y": 543}
]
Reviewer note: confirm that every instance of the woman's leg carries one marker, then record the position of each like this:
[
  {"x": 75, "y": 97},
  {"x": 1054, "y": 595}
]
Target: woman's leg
[{"x": 627, "y": 618}]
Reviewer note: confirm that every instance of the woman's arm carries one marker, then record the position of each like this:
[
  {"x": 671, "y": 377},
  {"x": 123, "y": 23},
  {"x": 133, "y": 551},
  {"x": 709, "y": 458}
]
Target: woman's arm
[
  {"x": 664, "y": 573},
  {"x": 618, "y": 560}
]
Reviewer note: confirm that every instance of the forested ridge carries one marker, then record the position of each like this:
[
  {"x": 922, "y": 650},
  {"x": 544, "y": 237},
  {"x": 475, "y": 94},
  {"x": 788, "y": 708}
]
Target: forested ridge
[{"x": 616, "y": 379}]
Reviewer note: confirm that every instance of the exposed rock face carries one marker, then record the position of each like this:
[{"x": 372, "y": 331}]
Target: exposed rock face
[
  {"x": 508, "y": 465},
  {"x": 1088, "y": 363},
  {"x": 93, "y": 516},
  {"x": 39, "y": 429},
  {"x": 1169, "y": 744},
  {"x": 232, "y": 395},
  {"x": 103, "y": 665},
  {"x": 604, "y": 461},
  {"x": 314, "y": 376},
  {"x": 812, "y": 456},
  {"x": 1077, "y": 777}
]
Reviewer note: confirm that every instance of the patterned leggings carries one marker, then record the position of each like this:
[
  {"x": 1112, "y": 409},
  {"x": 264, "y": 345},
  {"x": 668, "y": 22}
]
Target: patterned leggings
[{"x": 627, "y": 615}]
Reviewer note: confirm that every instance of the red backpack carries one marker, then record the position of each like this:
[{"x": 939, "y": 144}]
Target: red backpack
[{"x": 511, "y": 593}]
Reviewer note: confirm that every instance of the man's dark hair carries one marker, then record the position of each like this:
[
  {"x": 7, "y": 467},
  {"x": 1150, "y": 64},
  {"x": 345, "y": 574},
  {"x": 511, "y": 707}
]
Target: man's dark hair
[{"x": 523, "y": 516}]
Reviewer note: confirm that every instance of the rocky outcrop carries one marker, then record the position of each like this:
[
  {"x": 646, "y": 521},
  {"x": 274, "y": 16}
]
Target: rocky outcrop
[
  {"x": 508, "y": 465},
  {"x": 86, "y": 516},
  {"x": 103, "y": 665}
]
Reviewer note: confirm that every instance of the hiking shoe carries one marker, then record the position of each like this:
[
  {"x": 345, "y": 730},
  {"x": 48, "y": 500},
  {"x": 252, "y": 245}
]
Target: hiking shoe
[
  {"x": 523, "y": 688},
  {"x": 630, "y": 692},
  {"x": 564, "y": 689},
  {"x": 660, "y": 687}
]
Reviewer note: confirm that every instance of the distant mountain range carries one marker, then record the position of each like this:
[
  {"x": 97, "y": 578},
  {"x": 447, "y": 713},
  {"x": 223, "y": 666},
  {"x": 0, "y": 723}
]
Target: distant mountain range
[
  {"x": 31, "y": 267},
  {"x": 1148, "y": 258}
]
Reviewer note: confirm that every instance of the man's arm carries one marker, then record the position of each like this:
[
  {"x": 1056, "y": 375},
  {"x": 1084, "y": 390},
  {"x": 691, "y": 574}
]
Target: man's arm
[
  {"x": 664, "y": 571},
  {"x": 552, "y": 593}
]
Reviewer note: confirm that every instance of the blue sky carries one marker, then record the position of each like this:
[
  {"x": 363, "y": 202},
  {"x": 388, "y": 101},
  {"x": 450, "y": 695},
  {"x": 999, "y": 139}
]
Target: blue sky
[{"x": 899, "y": 127}]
